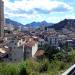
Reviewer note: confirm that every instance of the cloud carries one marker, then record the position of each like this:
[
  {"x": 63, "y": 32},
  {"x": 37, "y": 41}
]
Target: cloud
[
  {"x": 41, "y": 10},
  {"x": 21, "y": 11},
  {"x": 43, "y": 6},
  {"x": 32, "y": 9}
]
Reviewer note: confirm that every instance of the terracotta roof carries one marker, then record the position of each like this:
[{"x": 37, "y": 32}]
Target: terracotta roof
[
  {"x": 39, "y": 53},
  {"x": 30, "y": 42}
]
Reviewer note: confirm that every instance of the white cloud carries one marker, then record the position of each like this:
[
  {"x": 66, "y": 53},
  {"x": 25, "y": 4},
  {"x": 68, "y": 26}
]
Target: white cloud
[
  {"x": 70, "y": 16},
  {"x": 30, "y": 5}
]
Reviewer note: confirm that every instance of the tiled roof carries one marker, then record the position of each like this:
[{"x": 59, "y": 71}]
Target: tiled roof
[
  {"x": 39, "y": 53},
  {"x": 30, "y": 42}
]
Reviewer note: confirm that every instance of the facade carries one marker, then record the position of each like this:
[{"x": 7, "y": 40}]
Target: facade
[
  {"x": 1, "y": 18},
  {"x": 16, "y": 51},
  {"x": 53, "y": 41},
  {"x": 30, "y": 48},
  {"x": 41, "y": 42},
  {"x": 21, "y": 48},
  {"x": 70, "y": 43}
]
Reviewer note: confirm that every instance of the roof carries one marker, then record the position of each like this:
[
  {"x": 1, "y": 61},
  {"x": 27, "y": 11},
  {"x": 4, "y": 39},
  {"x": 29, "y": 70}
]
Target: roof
[
  {"x": 39, "y": 53},
  {"x": 30, "y": 42},
  {"x": 4, "y": 51}
]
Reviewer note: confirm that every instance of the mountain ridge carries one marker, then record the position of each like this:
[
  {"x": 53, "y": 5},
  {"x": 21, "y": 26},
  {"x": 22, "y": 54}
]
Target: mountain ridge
[
  {"x": 38, "y": 24},
  {"x": 66, "y": 23},
  {"x": 32, "y": 25}
]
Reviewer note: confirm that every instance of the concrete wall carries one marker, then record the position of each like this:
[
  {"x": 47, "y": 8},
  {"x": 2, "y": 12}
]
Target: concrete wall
[
  {"x": 34, "y": 49},
  {"x": 16, "y": 53}
]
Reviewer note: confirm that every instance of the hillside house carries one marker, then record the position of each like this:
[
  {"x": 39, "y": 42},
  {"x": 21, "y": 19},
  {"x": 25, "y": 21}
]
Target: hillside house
[
  {"x": 21, "y": 47},
  {"x": 30, "y": 48}
]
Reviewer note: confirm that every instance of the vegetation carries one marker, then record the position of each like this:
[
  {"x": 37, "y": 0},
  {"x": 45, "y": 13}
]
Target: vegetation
[
  {"x": 53, "y": 63},
  {"x": 33, "y": 67}
]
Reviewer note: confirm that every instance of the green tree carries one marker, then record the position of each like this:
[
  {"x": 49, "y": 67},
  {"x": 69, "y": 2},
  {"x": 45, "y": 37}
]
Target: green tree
[{"x": 50, "y": 51}]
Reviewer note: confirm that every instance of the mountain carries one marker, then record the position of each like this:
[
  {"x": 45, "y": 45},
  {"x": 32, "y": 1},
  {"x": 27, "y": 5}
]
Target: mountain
[
  {"x": 66, "y": 23},
  {"x": 38, "y": 24},
  {"x": 15, "y": 24},
  {"x": 32, "y": 25},
  {"x": 8, "y": 21}
]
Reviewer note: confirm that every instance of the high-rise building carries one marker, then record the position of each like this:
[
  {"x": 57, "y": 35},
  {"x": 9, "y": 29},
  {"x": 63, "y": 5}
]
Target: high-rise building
[{"x": 1, "y": 18}]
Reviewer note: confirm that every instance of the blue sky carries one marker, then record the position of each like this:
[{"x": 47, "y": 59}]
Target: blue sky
[{"x": 27, "y": 11}]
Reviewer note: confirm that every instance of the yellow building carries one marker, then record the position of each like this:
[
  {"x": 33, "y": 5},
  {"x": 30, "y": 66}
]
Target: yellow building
[{"x": 1, "y": 18}]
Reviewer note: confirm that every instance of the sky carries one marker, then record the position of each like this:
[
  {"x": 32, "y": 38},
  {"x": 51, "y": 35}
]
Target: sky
[{"x": 27, "y": 11}]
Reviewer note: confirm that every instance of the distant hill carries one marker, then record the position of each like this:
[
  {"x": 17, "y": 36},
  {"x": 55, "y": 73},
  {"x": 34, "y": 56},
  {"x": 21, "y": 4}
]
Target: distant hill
[
  {"x": 15, "y": 24},
  {"x": 66, "y": 23},
  {"x": 38, "y": 24},
  {"x": 9, "y": 21},
  {"x": 32, "y": 25}
]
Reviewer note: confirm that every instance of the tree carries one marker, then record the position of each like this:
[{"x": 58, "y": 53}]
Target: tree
[{"x": 50, "y": 51}]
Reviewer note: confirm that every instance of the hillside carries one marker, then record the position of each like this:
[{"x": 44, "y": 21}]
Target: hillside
[
  {"x": 9, "y": 21},
  {"x": 66, "y": 23}
]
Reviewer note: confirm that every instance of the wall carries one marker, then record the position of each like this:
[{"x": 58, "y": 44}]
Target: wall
[
  {"x": 34, "y": 49},
  {"x": 16, "y": 53}
]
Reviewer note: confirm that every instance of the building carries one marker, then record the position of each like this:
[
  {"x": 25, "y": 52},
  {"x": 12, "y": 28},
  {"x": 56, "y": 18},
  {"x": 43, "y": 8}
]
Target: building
[
  {"x": 4, "y": 52},
  {"x": 20, "y": 48},
  {"x": 53, "y": 40},
  {"x": 30, "y": 48},
  {"x": 42, "y": 42},
  {"x": 1, "y": 18},
  {"x": 39, "y": 53}
]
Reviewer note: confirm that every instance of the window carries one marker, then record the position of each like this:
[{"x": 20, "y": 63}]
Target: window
[
  {"x": 15, "y": 43},
  {"x": 10, "y": 48},
  {"x": 14, "y": 47},
  {"x": 12, "y": 41},
  {"x": 10, "y": 58},
  {"x": 1, "y": 4},
  {"x": 27, "y": 52},
  {"x": 14, "y": 59}
]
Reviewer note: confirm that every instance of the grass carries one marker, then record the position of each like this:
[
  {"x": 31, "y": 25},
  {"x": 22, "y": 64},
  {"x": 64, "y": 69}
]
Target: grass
[
  {"x": 37, "y": 67},
  {"x": 33, "y": 67}
]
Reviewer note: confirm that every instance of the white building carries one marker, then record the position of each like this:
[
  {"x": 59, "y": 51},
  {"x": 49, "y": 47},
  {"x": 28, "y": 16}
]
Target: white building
[
  {"x": 30, "y": 48},
  {"x": 22, "y": 48}
]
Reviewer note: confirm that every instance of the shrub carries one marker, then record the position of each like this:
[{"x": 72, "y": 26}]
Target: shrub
[
  {"x": 8, "y": 69},
  {"x": 23, "y": 71},
  {"x": 43, "y": 66},
  {"x": 62, "y": 66}
]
